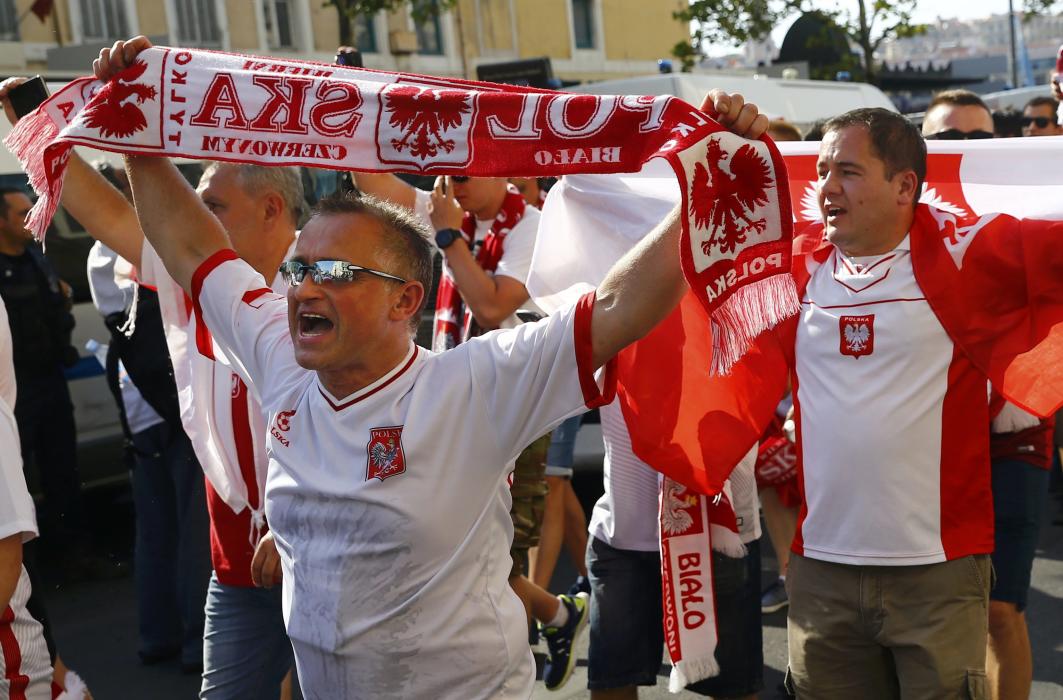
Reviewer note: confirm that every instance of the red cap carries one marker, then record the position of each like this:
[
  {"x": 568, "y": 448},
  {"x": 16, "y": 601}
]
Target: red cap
[{"x": 1059, "y": 61}]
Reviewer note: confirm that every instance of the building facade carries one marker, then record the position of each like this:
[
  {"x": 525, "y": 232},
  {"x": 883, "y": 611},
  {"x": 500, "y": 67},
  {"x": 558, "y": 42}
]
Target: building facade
[{"x": 585, "y": 39}]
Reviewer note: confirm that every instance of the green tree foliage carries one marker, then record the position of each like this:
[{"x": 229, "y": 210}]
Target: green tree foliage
[{"x": 867, "y": 23}]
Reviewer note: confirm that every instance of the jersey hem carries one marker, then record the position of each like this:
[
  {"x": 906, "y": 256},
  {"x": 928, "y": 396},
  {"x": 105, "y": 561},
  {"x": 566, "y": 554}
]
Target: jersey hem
[{"x": 891, "y": 559}]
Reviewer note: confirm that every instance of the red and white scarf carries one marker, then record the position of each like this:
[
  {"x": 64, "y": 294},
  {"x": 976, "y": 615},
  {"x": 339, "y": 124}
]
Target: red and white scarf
[
  {"x": 693, "y": 526},
  {"x": 737, "y": 223},
  {"x": 453, "y": 321}
]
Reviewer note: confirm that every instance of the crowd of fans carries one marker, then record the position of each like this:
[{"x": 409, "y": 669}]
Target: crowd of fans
[{"x": 908, "y": 610}]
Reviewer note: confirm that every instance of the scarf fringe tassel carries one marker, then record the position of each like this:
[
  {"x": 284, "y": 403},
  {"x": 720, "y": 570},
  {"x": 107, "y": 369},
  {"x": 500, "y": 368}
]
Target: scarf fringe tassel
[
  {"x": 691, "y": 671},
  {"x": 747, "y": 313},
  {"x": 28, "y": 142}
]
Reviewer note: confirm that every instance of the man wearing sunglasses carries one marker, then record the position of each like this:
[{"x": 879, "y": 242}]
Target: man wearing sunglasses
[
  {"x": 1039, "y": 117},
  {"x": 957, "y": 115},
  {"x": 387, "y": 493}
]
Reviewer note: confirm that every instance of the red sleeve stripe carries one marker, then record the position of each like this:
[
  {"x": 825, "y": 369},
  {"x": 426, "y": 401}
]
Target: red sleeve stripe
[
  {"x": 250, "y": 296},
  {"x": 592, "y": 396},
  {"x": 203, "y": 341}
]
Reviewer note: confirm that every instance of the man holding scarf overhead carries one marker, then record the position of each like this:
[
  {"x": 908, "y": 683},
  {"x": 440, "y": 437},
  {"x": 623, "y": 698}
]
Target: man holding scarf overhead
[{"x": 395, "y": 576}]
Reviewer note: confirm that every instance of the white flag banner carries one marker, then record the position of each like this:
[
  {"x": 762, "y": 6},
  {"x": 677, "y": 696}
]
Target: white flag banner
[{"x": 590, "y": 221}]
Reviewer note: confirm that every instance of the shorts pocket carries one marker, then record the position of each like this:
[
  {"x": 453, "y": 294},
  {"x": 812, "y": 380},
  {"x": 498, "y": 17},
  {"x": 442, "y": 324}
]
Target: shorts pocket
[
  {"x": 981, "y": 572},
  {"x": 976, "y": 685}
]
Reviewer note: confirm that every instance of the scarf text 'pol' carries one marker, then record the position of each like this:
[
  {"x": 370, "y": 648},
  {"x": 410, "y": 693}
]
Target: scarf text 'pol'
[{"x": 737, "y": 222}]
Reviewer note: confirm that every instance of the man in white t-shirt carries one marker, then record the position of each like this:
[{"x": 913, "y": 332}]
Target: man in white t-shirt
[{"x": 391, "y": 515}]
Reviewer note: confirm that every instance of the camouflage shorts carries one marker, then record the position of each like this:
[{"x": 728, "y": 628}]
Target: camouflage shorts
[{"x": 529, "y": 501}]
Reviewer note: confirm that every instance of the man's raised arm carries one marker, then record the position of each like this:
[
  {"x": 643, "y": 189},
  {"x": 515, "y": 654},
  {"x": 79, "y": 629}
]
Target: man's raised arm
[
  {"x": 91, "y": 199},
  {"x": 181, "y": 229},
  {"x": 644, "y": 286}
]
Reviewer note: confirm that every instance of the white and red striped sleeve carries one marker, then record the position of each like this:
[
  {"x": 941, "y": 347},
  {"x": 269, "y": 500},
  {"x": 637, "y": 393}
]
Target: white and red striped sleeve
[
  {"x": 240, "y": 317},
  {"x": 25, "y": 665}
]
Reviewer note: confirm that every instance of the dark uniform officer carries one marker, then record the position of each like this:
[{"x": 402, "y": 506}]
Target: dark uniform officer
[{"x": 39, "y": 314}]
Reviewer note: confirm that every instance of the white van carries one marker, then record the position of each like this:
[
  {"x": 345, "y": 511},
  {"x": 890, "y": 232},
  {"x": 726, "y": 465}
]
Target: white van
[{"x": 800, "y": 102}]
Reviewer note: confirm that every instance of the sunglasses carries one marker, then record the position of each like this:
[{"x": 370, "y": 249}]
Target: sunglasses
[
  {"x": 459, "y": 178},
  {"x": 957, "y": 135},
  {"x": 1041, "y": 122},
  {"x": 294, "y": 272}
]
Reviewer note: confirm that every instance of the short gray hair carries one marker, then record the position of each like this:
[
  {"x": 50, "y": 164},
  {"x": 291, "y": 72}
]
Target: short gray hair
[{"x": 286, "y": 181}]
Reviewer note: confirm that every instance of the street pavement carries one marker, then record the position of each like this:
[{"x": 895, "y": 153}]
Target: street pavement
[{"x": 96, "y": 627}]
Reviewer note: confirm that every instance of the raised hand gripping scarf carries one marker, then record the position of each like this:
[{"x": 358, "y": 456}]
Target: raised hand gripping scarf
[{"x": 736, "y": 218}]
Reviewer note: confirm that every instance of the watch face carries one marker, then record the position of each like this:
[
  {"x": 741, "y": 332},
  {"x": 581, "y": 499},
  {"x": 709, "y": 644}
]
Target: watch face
[{"x": 445, "y": 237}]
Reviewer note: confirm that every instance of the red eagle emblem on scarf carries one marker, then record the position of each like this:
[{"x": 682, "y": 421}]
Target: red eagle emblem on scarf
[
  {"x": 724, "y": 201},
  {"x": 425, "y": 115},
  {"x": 115, "y": 114}
]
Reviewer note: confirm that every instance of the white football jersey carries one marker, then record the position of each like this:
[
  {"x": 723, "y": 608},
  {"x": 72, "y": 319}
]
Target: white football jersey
[
  {"x": 390, "y": 507},
  {"x": 892, "y": 422}
]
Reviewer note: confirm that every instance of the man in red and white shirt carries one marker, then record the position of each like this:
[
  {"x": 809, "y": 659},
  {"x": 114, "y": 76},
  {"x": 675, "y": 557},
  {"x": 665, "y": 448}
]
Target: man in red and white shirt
[
  {"x": 391, "y": 515},
  {"x": 259, "y": 208},
  {"x": 890, "y": 576}
]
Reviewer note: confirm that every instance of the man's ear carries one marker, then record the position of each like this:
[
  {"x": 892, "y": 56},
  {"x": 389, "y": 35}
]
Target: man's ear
[
  {"x": 274, "y": 205},
  {"x": 908, "y": 184},
  {"x": 408, "y": 302}
]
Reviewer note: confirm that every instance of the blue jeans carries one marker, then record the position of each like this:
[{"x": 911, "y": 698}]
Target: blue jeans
[
  {"x": 171, "y": 556},
  {"x": 627, "y": 636},
  {"x": 562, "y": 450},
  {"x": 246, "y": 651}
]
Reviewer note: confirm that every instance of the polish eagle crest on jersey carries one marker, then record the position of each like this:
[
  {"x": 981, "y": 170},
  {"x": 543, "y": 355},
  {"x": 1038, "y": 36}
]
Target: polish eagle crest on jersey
[
  {"x": 116, "y": 112},
  {"x": 729, "y": 197},
  {"x": 384, "y": 453},
  {"x": 857, "y": 335},
  {"x": 424, "y": 126}
]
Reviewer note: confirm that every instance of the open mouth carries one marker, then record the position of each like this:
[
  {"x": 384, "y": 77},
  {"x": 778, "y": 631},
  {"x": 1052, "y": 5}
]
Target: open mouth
[
  {"x": 311, "y": 325},
  {"x": 833, "y": 212}
]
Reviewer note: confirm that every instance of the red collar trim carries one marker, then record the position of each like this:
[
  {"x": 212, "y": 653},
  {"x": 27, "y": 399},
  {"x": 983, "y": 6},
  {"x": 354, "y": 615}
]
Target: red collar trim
[{"x": 370, "y": 392}]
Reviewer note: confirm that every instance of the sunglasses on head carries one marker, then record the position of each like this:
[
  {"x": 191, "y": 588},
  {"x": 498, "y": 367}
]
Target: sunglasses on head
[
  {"x": 1041, "y": 122},
  {"x": 294, "y": 272},
  {"x": 957, "y": 135}
]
